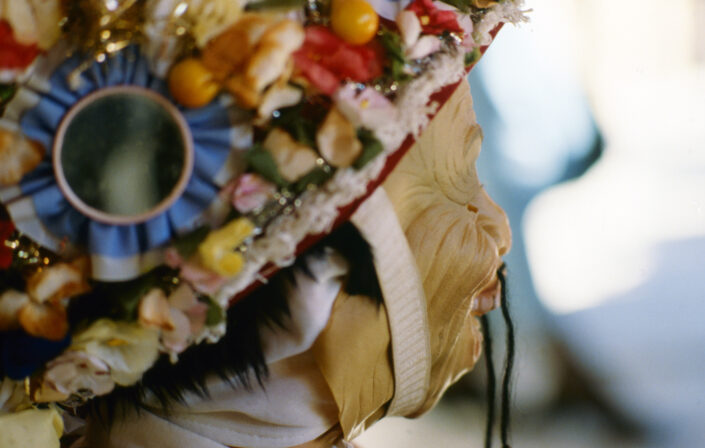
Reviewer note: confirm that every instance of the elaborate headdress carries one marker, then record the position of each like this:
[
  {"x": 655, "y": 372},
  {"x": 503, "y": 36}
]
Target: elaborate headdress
[{"x": 161, "y": 159}]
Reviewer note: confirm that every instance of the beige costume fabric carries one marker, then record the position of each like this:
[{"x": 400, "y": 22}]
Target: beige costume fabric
[{"x": 456, "y": 236}]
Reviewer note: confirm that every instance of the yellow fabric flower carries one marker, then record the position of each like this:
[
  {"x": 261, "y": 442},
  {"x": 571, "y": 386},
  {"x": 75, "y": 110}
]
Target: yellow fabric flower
[
  {"x": 40, "y": 428},
  {"x": 127, "y": 348},
  {"x": 483, "y": 3},
  {"x": 218, "y": 252}
]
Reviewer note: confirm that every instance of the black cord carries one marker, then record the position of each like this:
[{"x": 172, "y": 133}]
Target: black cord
[
  {"x": 491, "y": 379},
  {"x": 508, "y": 363}
]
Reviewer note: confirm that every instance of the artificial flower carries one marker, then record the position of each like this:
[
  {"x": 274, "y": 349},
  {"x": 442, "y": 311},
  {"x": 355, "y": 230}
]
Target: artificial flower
[
  {"x": 365, "y": 108},
  {"x": 18, "y": 156},
  {"x": 433, "y": 19},
  {"x": 337, "y": 140},
  {"x": 250, "y": 192},
  {"x": 416, "y": 46},
  {"x": 388, "y": 9},
  {"x": 39, "y": 310},
  {"x": 7, "y": 228},
  {"x": 14, "y": 56},
  {"x": 180, "y": 316},
  {"x": 13, "y": 396},
  {"x": 280, "y": 95},
  {"x": 41, "y": 428},
  {"x": 77, "y": 372},
  {"x": 218, "y": 252},
  {"x": 177, "y": 339},
  {"x": 293, "y": 159},
  {"x": 252, "y": 54},
  {"x": 33, "y": 21},
  {"x": 185, "y": 300},
  {"x": 326, "y": 60},
  {"x": 207, "y": 18},
  {"x": 409, "y": 27},
  {"x": 129, "y": 349},
  {"x": 483, "y": 3},
  {"x": 202, "y": 280},
  {"x": 425, "y": 46},
  {"x": 153, "y": 310},
  {"x": 465, "y": 22}
]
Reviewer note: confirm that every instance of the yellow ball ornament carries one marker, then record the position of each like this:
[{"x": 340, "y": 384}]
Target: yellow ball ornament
[
  {"x": 354, "y": 21},
  {"x": 191, "y": 84}
]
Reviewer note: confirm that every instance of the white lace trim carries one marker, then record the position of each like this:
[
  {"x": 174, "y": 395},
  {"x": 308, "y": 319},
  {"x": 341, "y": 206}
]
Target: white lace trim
[{"x": 319, "y": 208}]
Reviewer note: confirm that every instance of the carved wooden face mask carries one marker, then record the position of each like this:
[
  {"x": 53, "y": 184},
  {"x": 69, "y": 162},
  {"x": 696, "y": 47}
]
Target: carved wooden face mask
[{"x": 160, "y": 160}]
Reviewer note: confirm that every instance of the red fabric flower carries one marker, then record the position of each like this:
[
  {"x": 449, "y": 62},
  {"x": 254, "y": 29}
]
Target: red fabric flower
[
  {"x": 326, "y": 60},
  {"x": 6, "y": 231},
  {"x": 14, "y": 55},
  {"x": 434, "y": 20}
]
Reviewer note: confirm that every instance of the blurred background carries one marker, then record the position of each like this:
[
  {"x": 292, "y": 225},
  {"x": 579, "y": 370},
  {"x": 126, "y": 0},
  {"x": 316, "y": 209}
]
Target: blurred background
[{"x": 594, "y": 120}]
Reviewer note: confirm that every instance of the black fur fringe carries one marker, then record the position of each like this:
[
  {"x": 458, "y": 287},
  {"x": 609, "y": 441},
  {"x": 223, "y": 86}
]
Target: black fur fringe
[{"x": 238, "y": 357}]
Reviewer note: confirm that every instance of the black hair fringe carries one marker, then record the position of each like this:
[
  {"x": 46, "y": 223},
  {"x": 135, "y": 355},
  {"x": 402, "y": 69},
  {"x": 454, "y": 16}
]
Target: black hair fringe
[
  {"x": 505, "y": 399},
  {"x": 505, "y": 417},
  {"x": 238, "y": 357}
]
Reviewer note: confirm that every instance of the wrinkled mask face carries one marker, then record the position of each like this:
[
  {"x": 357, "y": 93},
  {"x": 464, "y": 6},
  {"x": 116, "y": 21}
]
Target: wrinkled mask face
[{"x": 456, "y": 232}]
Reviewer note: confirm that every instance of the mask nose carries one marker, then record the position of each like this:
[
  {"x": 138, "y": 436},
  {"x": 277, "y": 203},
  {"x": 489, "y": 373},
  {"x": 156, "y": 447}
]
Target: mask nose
[{"x": 492, "y": 219}]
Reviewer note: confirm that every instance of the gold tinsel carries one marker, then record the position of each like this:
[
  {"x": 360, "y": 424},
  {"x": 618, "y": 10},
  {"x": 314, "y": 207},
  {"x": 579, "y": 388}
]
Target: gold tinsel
[
  {"x": 28, "y": 256},
  {"x": 100, "y": 28}
]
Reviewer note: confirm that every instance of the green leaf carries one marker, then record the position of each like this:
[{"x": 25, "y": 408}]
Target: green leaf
[
  {"x": 462, "y": 5},
  {"x": 316, "y": 176},
  {"x": 188, "y": 244},
  {"x": 263, "y": 163},
  {"x": 300, "y": 124},
  {"x": 267, "y": 4},
  {"x": 371, "y": 147},
  {"x": 215, "y": 313},
  {"x": 391, "y": 42},
  {"x": 472, "y": 57},
  {"x": 7, "y": 91}
]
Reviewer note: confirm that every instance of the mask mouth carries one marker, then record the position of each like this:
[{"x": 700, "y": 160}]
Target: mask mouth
[
  {"x": 490, "y": 298},
  {"x": 123, "y": 155}
]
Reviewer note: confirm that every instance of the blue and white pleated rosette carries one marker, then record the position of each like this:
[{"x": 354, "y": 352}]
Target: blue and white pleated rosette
[
  {"x": 118, "y": 252},
  {"x": 389, "y": 8}
]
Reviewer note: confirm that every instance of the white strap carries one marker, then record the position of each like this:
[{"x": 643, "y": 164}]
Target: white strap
[{"x": 404, "y": 299}]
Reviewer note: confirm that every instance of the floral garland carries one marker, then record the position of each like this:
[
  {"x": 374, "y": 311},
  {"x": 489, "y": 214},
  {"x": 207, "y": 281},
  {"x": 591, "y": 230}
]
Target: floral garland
[{"x": 289, "y": 109}]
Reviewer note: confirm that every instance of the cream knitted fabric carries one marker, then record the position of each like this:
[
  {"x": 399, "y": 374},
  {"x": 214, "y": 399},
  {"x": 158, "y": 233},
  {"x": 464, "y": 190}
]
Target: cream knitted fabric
[{"x": 404, "y": 299}]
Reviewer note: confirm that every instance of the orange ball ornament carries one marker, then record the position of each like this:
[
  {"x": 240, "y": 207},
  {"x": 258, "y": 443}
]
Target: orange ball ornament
[
  {"x": 354, "y": 21},
  {"x": 191, "y": 84}
]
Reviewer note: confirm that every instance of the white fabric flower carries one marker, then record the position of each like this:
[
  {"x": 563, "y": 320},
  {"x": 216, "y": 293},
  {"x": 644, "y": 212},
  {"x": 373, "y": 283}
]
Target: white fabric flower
[
  {"x": 12, "y": 396},
  {"x": 293, "y": 159},
  {"x": 388, "y": 8},
  {"x": 33, "y": 21},
  {"x": 367, "y": 108},
  {"x": 75, "y": 372},
  {"x": 41, "y": 428},
  {"x": 337, "y": 140},
  {"x": 127, "y": 348}
]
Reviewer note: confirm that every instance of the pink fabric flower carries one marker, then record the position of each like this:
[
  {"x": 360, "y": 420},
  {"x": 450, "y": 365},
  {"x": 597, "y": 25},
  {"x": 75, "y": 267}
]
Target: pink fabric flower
[
  {"x": 251, "y": 192},
  {"x": 367, "y": 108},
  {"x": 201, "y": 279},
  {"x": 434, "y": 20},
  {"x": 180, "y": 317},
  {"x": 326, "y": 60},
  {"x": 465, "y": 23}
]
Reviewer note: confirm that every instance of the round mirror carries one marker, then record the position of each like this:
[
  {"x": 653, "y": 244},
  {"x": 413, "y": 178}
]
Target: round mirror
[{"x": 123, "y": 155}]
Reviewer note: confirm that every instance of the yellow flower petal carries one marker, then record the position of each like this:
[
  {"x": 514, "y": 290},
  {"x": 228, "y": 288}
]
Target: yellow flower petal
[
  {"x": 217, "y": 251},
  {"x": 230, "y": 264},
  {"x": 31, "y": 428}
]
